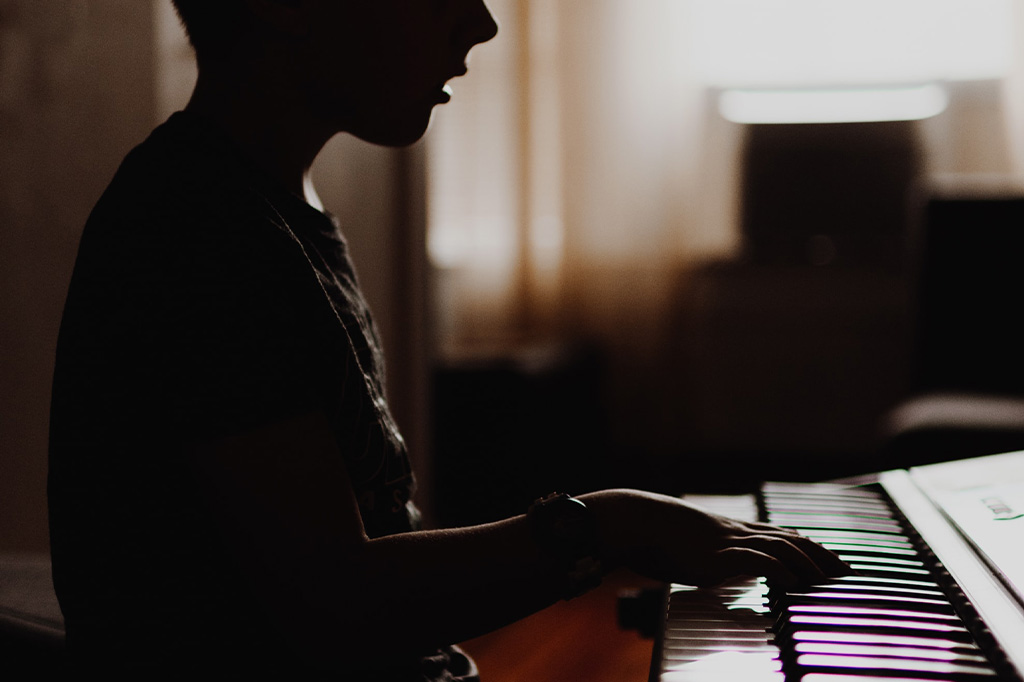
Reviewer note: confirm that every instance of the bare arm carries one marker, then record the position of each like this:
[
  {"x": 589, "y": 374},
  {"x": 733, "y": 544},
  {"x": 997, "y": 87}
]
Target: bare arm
[{"x": 287, "y": 509}]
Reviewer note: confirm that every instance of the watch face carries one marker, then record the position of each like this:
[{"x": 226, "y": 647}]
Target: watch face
[{"x": 572, "y": 522}]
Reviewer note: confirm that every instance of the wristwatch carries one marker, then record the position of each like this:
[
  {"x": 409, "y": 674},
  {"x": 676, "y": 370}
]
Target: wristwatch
[{"x": 566, "y": 532}]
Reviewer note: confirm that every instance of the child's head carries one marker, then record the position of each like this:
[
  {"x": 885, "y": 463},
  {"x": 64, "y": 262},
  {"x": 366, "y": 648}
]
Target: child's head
[
  {"x": 212, "y": 26},
  {"x": 375, "y": 68}
]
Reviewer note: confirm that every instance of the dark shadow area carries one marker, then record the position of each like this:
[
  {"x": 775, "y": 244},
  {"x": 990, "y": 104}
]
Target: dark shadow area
[{"x": 512, "y": 426}]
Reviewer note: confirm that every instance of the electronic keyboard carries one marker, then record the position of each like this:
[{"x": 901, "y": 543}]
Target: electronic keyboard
[{"x": 938, "y": 595}]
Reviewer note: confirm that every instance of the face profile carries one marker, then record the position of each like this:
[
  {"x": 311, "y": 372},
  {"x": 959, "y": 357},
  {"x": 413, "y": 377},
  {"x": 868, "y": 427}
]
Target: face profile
[{"x": 406, "y": 52}]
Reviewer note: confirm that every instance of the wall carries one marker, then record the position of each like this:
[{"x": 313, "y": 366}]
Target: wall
[{"x": 75, "y": 95}]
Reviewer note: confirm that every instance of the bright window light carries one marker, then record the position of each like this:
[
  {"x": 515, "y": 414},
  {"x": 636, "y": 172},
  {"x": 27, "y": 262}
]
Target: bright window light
[{"x": 861, "y": 54}]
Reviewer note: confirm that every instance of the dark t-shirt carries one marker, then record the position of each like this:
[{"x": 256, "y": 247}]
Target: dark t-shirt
[{"x": 206, "y": 300}]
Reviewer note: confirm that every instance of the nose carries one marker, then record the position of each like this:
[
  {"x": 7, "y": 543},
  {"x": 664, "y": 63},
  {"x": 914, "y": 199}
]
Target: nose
[{"x": 480, "y": 25}]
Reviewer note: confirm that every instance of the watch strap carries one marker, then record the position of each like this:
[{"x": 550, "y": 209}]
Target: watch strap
[{"x": 566, "y": 532}]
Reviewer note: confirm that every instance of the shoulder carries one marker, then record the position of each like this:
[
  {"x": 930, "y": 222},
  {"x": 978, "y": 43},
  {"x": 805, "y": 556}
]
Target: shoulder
[
  {"x": 183, "y": 206},
  {"x": 181, "y": 244}
]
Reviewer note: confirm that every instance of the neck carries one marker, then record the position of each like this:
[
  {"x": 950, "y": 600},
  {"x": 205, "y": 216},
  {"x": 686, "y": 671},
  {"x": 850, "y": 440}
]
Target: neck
[{"x": 266, "y": 123}]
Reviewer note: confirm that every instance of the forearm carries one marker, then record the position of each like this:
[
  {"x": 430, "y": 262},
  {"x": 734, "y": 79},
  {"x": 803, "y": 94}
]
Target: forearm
[
  {"x": 419, "y": 590},
  {"x": 456, "y": 584}
]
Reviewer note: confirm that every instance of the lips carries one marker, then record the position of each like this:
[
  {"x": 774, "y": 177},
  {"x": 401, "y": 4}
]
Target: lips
[{"x": 443, "y": 90}]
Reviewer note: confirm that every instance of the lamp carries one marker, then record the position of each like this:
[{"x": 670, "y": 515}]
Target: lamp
[{"x": 818, "y": 61}]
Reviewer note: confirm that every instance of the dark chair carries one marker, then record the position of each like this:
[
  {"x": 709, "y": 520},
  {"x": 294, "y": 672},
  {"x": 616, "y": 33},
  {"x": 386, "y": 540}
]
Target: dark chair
[
  {"x": 31, "y": 624},
  {"x": 968, "y": 367}
]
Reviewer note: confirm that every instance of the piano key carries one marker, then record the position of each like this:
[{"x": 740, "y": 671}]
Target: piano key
[
  {"x": 956, "y": 671},
  {"x": 876, "y": 613},
  {"x": 862, "y": 548},
  {"x": 723, "y": 604},
  {"x": 834, "y": 677},
  {"x": 726, "y": 665},
  {"x": 879, "y": 580},
  {"x": 744, "y": 596},
  {"x": 677, "y": 658},
  {"x": 881, "y": 560},
  {"x": 739, "y": 586},
  {"x": 875, "y": 588},
  {"x": 703, "y": 650},
  {"x": 839, "y": 622},
  {"x": 882, "y": 570},
  {"x": 681, "y": 637},
  {"x": 701, "y": 675},
  {"x": 883, "y": 639},
  {"x": 853, "y": 599},
  {"x": 734, "y": 613},
  {"x": 817, "y": 527},
  {"x": 851, "y": 494},
  {"x": 801, "y": 622},
  {"x": 802, "y": 524},
  {"x": 723, "y": 676},
  {"x": 718, "y": 625},
  {"x": 875, "y": 539},
  {"x": 852, "y": 513},
  {"x": 773, "y": 489},
  {"x": 888, "y": 651},
  {"x": 849, "y": 609},
  {"x": 815, "y": 498},
  {"x": 830, "y": 507}
]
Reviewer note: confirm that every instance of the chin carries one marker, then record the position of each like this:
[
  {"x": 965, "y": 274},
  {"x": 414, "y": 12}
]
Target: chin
[{"x": 394, "y": 132}]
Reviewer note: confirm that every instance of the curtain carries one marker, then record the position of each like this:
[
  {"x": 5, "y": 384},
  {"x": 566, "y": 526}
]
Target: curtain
[{"x": 574, "y": 154}]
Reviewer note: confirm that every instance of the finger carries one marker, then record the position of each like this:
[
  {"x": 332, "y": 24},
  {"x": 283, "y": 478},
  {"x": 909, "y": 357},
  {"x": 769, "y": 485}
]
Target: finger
[
  {"x": 784, "y": 549},
  {"x": 736, "y": 561},
  {"x": 761, "y": 526},
  {"x": 828, "y": 560}
]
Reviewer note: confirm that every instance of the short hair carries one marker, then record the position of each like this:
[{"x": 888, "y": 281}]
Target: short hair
[{"x": 211, "y": 25}]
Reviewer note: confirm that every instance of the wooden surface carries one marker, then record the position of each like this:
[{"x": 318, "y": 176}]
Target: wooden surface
[{"x": 574, "y": 641}]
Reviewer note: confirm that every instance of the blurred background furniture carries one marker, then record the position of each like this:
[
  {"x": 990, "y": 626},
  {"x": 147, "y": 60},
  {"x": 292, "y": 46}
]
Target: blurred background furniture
[
  {"x": 790, "y": 353},
  {"x": 967, "y": 378}
]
